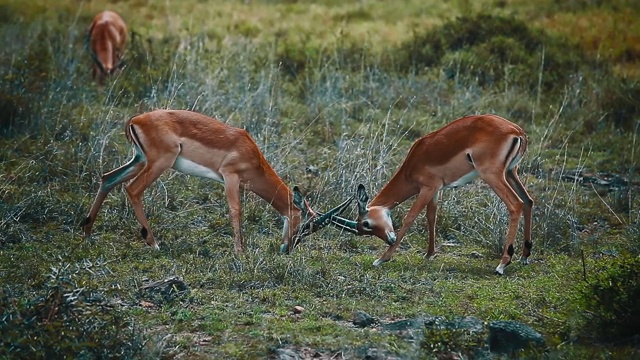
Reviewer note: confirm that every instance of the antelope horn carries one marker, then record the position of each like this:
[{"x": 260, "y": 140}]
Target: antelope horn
[
  {"x": 347, "y": 225},
  {"x": 315, "y": 221},
  {"x": 324, "y": 219},
  {"x": 350, "y": 225}
]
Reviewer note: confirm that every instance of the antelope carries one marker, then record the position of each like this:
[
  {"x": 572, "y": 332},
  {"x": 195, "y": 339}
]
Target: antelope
[
  {"x": 485, "y": 146},
  {"x": 195, "y": 144},
  {"x": 105, "y": 42}
]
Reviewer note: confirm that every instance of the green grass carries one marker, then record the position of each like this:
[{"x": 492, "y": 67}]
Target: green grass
[{"x": 315, "y": 83}]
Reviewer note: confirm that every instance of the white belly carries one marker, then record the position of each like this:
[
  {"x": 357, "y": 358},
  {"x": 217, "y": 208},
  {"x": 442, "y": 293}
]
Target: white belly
[
  {"x": 463, "y": 180},
  {"x": 189, "y": 167}
]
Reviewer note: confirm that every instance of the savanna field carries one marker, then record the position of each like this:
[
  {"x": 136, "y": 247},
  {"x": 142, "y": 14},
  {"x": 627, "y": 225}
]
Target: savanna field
[{"x": 334, "y": 94}]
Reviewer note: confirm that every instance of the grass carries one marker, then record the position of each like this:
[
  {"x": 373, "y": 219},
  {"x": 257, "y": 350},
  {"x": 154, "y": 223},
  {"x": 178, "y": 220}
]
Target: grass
[{"x": 316, "y": 84}]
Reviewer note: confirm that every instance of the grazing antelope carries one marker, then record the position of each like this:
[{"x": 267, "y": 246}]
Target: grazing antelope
[
  {"x": 485, "y": 146},
  {"x": 105, "y": 42},
  {"x": 195, "y": 144}
]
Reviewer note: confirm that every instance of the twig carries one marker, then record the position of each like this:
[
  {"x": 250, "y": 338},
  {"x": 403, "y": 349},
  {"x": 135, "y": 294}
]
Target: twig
[
  {"x": 607, "y": 205},
  {"x": 584, "y": 267}
]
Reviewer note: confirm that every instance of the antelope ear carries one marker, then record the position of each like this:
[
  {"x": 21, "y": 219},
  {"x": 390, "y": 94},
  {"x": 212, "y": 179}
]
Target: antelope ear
[
  {"x": 298, "y": 198},
  {"x": 301, "y": 203},
  {"x": 363, "y": 199}
]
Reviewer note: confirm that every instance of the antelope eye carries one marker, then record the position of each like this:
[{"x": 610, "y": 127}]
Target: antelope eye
[{"x": 366, "y": 225}]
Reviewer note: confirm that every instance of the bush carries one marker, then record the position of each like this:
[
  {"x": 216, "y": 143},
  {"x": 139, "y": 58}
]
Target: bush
[
  {"x": 611, "y": 298},
  {"x": 619, "y": 102},
  {"x": 483, "y": 46},
  {"x": 64, "y": 320}
]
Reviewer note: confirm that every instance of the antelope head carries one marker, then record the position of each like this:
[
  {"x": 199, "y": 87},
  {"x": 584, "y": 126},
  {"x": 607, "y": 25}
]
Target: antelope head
[
  {"x": 105, "y": 43},
  {"x": 371, "y": 220}
]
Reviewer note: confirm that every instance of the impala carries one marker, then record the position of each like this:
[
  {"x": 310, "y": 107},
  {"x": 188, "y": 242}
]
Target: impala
[
  {"x": 485, "y": 146},
  {"x": 195, "y": 144},
  {"x": 105, "y": 42}
]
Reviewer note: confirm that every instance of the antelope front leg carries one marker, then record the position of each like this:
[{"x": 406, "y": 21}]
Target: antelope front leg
[
  {"x": 90, "y": 219},
  {"x": 290, "y": 236},
  {"x": 425, "y": 196}
]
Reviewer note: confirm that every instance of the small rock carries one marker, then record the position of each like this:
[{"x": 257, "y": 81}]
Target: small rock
[
  {"x": 297, "y": 309},
  {"x": 170, "y": 285},
  {"x": 475, "y": 255},
  {"x": 407, "y": 324},
  {"x": 312, "y": 171},
  {"x": 287, "y": 354},
  {"x": 509, "y": 336},
  {"x": 362, "y": 319},
  {"x": 450, "y": 244},
  {"x": 469, "y": 323},
  {"x": 147, "y": 304}
]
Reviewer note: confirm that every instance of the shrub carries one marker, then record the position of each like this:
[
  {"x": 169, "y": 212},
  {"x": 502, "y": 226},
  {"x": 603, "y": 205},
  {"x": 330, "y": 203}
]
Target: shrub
[
  {"x": 611, "y": 296},
  {"x": 64, "y": 320},
  {"x": 483, "y": 46},
  {"x": 619, "y": 102}
]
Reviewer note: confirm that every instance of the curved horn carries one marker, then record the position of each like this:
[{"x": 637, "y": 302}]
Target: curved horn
[
  {"x": 351, "y": 226},
  {"x": 314, "y": 221},
  {"x": 347, "y": 225}
]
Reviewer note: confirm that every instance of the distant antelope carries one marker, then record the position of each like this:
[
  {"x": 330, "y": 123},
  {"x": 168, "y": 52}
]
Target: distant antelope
[
  {"x": 195, "y": 144},
  {"x": 106, "y": 38},
  {"x": 485, "y": 146}
]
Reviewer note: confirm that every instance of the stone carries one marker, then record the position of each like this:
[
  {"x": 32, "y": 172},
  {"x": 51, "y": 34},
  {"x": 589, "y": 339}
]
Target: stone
[
  {"x": 362, "y": 319},
  {"x": 508, "y": 336}
]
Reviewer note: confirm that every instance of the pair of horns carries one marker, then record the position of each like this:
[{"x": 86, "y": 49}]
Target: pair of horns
[
  {"x": 314, "y": 221},
  {"x": 317, "y": 220}
]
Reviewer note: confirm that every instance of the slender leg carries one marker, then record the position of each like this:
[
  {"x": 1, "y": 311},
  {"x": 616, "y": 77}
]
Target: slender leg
[
  {"x": 232, "y": 190},
  {"x": 516, "y": 184},
  {"x": 109, "y": 181},
  {"x": 514, "y": 205},
  {"x": 432, "y": 208},
  {"x": 289, "y": 230},
  {"x": 425, "y": 196}
]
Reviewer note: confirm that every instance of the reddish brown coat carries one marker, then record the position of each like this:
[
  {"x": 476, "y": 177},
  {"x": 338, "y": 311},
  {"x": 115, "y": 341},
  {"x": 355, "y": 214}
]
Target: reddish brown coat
[
  {"x": 485, "y": 146},
  {"x": 198, "y": 145},
  {"x": 107, "y": 38}
]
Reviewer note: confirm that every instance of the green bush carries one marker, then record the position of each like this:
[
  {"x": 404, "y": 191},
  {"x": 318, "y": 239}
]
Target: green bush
[
  {"x": 483, "y": 46},
  {"x": 618, "y": 100},
  {"x": 611, "y": 298},
  {"x": 64, "y": 320}
]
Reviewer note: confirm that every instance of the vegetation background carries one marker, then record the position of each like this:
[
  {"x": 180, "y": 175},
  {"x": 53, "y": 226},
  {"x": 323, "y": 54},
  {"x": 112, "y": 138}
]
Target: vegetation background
[{"x": 344, "y": 87}]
